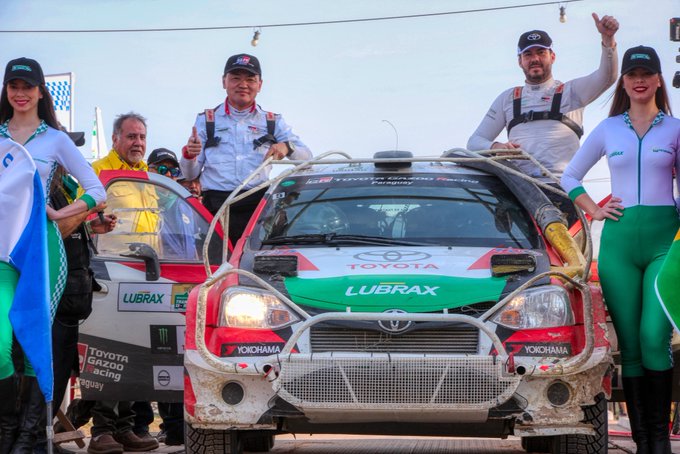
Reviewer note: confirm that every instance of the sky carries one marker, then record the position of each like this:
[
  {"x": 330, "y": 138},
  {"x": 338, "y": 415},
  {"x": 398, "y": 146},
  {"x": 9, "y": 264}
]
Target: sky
[{"x": 341, "y": 86}]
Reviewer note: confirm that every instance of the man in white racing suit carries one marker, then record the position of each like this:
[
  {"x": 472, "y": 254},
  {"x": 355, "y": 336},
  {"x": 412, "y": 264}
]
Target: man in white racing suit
[
  {"x": 553, "y": 141},
  {"x": 229, "y": 142}
]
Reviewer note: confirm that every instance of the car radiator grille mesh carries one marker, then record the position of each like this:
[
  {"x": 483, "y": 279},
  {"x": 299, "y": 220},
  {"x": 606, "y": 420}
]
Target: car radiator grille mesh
[
  {"x": 458, "y": 340},
  {"x": 387, "y": 382}
]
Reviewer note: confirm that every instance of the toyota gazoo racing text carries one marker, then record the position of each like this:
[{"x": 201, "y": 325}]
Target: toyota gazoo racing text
[{"x": 400, "y": 295}]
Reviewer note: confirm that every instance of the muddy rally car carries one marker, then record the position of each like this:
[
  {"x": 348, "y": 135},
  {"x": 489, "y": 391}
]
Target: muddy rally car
[{"x": 400, "y": 296}]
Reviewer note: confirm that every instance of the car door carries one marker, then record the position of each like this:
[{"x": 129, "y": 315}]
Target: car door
[{"x": 131, "y": 346}]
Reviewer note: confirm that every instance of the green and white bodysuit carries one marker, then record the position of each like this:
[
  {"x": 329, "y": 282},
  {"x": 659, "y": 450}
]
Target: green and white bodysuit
[{"x": 633, "y": 248}]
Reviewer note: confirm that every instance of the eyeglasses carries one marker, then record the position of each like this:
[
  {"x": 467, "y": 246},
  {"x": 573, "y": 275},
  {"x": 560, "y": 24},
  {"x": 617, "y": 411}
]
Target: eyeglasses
[{"x": 163, "y": 169}]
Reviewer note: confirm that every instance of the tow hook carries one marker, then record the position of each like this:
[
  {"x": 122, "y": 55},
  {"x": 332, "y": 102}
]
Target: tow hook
[
  {"x": 271, "y": 372},
  {"x": 511, "y": 363}
]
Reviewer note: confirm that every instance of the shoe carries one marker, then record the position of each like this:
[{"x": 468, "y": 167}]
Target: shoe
[
  {"x": 658, "y": 409},
  {"x": 9, "y": 415},
  {"x": 104, "y": 444},
  {"x": 172, "y": 439},
  {"x": 134, "y": 443},
  {"x": 635, "y": 391},
  {"x": 79, "y": 412},
  {"x": 31, "y": 416},
  {"x": 161, "y": 436}
]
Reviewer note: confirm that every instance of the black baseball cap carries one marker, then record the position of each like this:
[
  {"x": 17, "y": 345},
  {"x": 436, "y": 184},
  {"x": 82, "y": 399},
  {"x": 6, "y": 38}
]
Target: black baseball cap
[
  {"x": 533, "y": 38},
  {"x": 25, "y": 69},
  {"x": 245, "y": 62},
  {"x": 640, "y": 57},
  {"x": 160, "y": 155}
]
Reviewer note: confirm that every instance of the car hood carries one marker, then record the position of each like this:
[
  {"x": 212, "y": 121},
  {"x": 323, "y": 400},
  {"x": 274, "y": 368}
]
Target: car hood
[{"x": 414, "y": 279}]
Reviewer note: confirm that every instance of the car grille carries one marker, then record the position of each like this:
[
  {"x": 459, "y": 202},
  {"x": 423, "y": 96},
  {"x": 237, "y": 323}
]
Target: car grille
[
  {"x": 393, "y": 382},
  {"x": 450, "y": 340}
]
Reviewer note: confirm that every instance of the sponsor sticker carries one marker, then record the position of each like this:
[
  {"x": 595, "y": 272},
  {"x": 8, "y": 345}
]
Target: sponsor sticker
[
  {"x": 391, "y": 288},
  {"x": 163, "y": 339},
  {"x": 392, "y": 260},
  {"x": 180, "y": 296},
  {"x": 256, "y": 349},
  {"x": 540, "y": 349},
  {"x": 168, "y": 378},
  {"x": 145, "y": 297},
  {"x": 108, "y": 365},
  {"x": 320, "y": 180}
]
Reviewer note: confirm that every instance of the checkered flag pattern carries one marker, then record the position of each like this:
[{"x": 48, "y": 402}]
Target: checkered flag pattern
[{"x": 61, "y": 93}]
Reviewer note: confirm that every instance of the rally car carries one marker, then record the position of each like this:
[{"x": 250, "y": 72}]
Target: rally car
[
  {"x": 405, "y": 296},
  {"x": 131, "y": 347}
]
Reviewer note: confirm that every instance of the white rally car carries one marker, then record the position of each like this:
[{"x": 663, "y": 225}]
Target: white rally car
[
  {"x": 400, "y": 295},
  {"x": 132, "y": 345}
]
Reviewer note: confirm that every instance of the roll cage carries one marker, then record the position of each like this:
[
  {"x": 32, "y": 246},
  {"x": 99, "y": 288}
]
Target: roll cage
[{"x": 574, "y": 275}]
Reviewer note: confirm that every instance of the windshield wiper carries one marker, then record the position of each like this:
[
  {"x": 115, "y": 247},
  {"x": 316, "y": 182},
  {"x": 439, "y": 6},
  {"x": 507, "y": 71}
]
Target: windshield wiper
[
  {"x": 310, "y": 238},
  {"x": 334, "y": 239},
  {"x": 371, "y": 239}
]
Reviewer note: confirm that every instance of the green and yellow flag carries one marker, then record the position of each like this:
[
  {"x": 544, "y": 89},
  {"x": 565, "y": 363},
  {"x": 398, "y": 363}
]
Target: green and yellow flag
[{"x": 668, "y": 283}]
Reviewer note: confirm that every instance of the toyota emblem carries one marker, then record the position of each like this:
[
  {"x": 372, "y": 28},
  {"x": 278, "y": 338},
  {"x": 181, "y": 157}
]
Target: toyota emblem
[
  {"x": 395, "y": 326},
  {"x": 534, "y": 37},
  {"x": 392, "y": 256}
]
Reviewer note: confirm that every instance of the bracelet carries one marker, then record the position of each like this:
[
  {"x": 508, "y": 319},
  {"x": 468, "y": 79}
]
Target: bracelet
[
  {"x": 88, "y": 227},
  {"x": 185, "y": 153}
]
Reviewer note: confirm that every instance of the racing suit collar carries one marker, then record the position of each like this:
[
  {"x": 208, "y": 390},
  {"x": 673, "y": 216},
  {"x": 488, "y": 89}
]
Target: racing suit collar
[
  {"x": 542, "y": 86},
  {"x": 227, "y": 108}
]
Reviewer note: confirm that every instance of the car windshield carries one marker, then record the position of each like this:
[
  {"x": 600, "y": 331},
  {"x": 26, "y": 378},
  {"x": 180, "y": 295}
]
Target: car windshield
[{"x": 451, "y": 210}]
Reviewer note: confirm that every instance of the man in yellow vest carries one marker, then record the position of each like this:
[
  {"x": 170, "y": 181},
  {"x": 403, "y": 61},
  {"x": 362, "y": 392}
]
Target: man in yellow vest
[
  {"x": 133, "y": 203},
  {"x": 113, "y": 421}
]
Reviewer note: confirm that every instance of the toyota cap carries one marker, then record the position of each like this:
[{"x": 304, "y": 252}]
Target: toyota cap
[{"x": 533, "y": 38}]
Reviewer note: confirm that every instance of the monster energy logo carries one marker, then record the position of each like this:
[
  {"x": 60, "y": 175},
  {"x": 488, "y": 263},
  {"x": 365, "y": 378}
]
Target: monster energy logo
[{"x": 163, "y": 336}]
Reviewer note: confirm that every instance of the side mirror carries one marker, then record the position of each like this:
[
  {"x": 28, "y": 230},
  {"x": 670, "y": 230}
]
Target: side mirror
[
  {"x": 504, "y": 264},
  {"x": 78, "y": 138},
  {"x": 145, "y": 252}
]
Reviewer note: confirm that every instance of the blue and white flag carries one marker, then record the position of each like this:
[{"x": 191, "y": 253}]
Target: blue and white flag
[
  {"x": 60, "y": 87},
  {"x": 23, "y": 244}
]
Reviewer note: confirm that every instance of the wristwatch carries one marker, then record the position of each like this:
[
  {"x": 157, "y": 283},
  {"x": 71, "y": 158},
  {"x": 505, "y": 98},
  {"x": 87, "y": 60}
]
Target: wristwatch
[{"x": 291, "y": 148}]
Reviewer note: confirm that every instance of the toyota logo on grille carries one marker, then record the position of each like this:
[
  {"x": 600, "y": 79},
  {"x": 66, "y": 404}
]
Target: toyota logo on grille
[
  {"x": 395, "y": 326},
  {"x": 392, "y": 256}
]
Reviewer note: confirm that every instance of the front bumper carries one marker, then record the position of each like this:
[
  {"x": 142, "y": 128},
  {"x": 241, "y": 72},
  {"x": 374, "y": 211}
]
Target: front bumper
[{"x": 337, "y": 387}]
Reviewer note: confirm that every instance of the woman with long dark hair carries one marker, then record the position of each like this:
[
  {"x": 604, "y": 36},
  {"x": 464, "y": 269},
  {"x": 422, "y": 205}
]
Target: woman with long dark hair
[
  {"x": 641, "y": 141},
  {"x": 27, "y": 117}
]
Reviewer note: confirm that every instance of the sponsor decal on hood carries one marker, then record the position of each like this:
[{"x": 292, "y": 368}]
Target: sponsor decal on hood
[
  {"x": 413, "y": 279},
  {"x": 468, "y": 262},
  {"x": 376, "y": 293}
]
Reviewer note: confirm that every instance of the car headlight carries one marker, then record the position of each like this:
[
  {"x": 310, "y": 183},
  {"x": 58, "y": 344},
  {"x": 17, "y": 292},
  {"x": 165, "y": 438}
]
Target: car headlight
[
  {"x": 244, "y": 307},
  {"x": 543, "y": 307}
]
